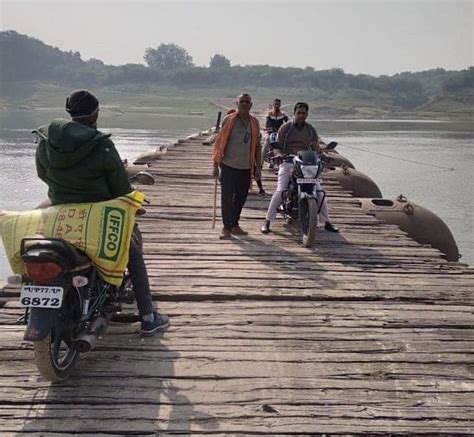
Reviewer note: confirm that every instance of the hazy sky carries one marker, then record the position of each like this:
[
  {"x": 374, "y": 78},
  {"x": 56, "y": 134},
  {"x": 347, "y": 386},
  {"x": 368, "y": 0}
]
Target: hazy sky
[{"x": 360, "y": 36}]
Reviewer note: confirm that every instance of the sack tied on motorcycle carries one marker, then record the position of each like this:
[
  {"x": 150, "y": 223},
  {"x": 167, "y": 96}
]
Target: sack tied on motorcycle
[{"x": 102, "y": 230}]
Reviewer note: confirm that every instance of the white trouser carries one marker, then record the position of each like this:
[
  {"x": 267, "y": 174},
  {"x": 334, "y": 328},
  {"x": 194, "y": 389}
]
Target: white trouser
[{"x": 284, "y": 174}]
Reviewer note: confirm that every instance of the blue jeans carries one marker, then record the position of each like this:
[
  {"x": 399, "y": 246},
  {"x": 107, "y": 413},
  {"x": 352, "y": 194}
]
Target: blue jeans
[{"x": 139, "y": 277}]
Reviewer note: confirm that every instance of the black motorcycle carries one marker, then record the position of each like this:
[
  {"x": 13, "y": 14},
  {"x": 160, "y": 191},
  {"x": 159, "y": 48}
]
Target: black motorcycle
[
  {"x": 300, "y": 199},
  {"x": 68, "y": 305}
]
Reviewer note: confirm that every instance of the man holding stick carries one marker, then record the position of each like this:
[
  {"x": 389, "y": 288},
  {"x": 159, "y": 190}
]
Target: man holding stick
[{"x": 237, "y": 153}]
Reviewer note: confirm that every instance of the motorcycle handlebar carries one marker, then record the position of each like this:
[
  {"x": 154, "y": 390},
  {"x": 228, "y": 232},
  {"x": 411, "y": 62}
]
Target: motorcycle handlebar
[{"x": 281, "y": 158}]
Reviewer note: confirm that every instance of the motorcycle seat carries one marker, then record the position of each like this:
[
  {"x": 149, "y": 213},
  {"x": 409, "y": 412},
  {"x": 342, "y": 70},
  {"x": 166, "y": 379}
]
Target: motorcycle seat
[{"x": 67, "y": 254}]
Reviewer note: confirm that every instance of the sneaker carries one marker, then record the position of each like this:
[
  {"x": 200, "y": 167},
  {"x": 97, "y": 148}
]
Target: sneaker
[
  {"x": 237, "y": 230},
  {"x": 225, "y": 234},
  {"x": 265, "y": 229},
  {"x": 162, "y": 321},
  {"x": 330, "y": 227},
  {"x": 262, "y": 193}
]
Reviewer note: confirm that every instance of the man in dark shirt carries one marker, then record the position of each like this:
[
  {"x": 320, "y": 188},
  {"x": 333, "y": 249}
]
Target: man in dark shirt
[
  {"x": 275, "y": 117},
  {"x": 295, "y": 136},
  {"x": 273, "y": 122}
]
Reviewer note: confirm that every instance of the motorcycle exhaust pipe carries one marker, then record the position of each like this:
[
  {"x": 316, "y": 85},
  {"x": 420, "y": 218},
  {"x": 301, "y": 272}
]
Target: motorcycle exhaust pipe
[{"x": 87, "y": 340}]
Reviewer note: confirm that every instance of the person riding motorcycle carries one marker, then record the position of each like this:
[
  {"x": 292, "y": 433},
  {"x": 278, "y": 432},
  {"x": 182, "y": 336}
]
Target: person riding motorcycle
[
  {"x": 295, "y": 136},
  {"x": 275, "y": 119},
  {"x": 81, "y": 164}
]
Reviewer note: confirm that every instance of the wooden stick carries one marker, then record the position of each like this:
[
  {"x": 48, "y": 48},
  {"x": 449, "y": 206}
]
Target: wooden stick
[{"x": 215, "y": 205}]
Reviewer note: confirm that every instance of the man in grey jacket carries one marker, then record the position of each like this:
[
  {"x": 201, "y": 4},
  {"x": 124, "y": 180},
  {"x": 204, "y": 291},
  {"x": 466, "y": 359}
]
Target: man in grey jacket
[{"x": 295, "y": 136}]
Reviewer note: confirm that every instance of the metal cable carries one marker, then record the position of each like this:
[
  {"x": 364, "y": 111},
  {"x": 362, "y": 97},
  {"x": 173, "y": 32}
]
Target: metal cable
[{"x": 400, "y": 159}]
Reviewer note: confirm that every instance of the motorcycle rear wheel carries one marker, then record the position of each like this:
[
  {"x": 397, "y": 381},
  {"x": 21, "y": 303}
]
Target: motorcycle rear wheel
[
  {"x": 54, "y": 355},
  {"x": 308, "y": 221},
  {"x": 54, "y": 358}
]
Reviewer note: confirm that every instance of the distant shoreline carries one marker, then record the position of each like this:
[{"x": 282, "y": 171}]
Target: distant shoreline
[
  {"x": 150, "y": 100},
  {"x": 315, "y": 113}
]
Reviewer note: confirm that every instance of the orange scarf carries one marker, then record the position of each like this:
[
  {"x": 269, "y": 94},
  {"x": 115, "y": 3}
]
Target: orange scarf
[{"x": 223, "y": 138}]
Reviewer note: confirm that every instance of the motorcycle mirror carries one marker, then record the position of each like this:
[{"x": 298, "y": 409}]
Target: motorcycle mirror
[
  {"x": 331, "y": 145},
  {"x": 144, "y": 178}
]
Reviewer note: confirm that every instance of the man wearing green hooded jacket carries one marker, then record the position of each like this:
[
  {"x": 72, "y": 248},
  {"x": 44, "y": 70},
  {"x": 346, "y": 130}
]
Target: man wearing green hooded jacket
[{"x": 80, "y": 164}]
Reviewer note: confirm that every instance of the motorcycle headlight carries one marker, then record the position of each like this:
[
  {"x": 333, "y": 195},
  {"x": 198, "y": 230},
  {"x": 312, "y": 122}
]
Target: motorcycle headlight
[{"x": 310, "y": 171}]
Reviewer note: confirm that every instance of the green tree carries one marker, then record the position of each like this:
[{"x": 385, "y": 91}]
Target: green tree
[
  {"x": 461, "y": 80},
  {"x": 168, "y": 57},
  {"x": 219, "y": 61}
]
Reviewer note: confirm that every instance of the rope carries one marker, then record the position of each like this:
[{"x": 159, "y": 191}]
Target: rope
[{"x": 401, "y": 159}]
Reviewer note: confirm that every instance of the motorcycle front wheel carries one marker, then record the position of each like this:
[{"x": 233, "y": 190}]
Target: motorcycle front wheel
[
  {"x": 308, "y": 221},
  {"x": 54, "y": 355}
]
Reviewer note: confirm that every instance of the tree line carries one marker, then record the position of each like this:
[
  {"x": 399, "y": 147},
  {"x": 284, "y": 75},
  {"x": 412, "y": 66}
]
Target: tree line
[{"x": 24, "y": 58}]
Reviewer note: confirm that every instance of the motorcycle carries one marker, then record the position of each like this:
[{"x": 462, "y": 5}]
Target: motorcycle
[
  {"x": 67, "y": 304},
  {"x": 302, "y": 200},
  {"x": 267, "y": 151}
]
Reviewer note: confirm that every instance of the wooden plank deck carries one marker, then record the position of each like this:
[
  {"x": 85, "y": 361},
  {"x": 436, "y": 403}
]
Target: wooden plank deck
[{"x": 367, "y": 332}]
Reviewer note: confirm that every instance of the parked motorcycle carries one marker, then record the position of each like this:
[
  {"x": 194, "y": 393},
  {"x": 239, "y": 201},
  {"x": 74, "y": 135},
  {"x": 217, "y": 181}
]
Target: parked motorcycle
[
  {"x": 302, "y": 200},
  {"x": 67, "y": 304}
]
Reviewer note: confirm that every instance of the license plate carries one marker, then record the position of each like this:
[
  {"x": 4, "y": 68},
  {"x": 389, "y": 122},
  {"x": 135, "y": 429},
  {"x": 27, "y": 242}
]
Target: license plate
[
  {"x": 40, "y": 296},
  {"x": 306, "y": 181}
]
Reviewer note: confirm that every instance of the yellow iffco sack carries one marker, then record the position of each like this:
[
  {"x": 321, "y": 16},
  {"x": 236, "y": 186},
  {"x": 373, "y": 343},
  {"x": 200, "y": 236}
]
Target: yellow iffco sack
[{"x": 102, "y": 230}]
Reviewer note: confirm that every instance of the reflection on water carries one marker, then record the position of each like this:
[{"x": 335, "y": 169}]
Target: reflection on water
[{"x": 449, "y": 194}]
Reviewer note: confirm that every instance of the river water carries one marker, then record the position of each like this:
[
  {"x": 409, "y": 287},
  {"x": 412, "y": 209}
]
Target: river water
[{"x": 440, "y": 179}]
